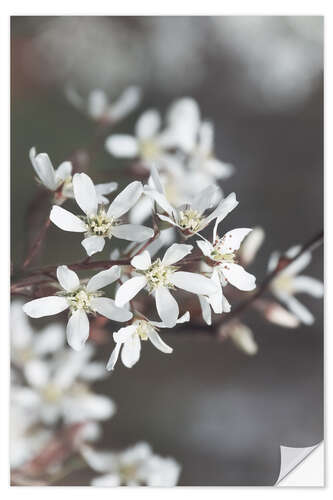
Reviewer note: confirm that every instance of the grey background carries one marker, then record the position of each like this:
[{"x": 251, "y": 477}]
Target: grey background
[{"x": 221, "y": 414}]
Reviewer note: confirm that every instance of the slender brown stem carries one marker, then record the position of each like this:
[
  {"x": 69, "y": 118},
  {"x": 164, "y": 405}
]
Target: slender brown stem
[{"x": 37, "y": 243}]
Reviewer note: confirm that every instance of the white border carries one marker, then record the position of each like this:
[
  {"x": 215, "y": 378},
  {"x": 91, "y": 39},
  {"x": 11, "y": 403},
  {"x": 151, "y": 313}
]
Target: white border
[{"x": 172, "y": 7}]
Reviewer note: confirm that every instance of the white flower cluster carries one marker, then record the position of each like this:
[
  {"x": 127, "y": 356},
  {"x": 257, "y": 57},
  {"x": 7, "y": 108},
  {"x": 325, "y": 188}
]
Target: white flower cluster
[{"x": 52, "y": 386}]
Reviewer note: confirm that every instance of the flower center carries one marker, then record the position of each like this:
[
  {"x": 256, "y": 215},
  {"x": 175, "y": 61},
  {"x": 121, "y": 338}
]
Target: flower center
[
  {"x": 283, "y": 283},
  {"x": 190, "y": 219},
  {"x": 51, "y": 393},
  {"x": 159, "y": 275},
  {"x": 81, "y": 299},
  {"x": 149, "y": 149},
  {"x": 127, "y": 472},
  {"x": 142, "y": 329},
  {"x": 100, "y": 224}
]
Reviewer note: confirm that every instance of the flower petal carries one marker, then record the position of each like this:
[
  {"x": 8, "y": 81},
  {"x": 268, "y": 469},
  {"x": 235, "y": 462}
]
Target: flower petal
[
  {"x": 77, "y": 329},
  {"x": 63, "y": 171},
  {"x": 205, "y": 309},
  {"x": 218, "y": 169},
  {"x": 125, "y": 200},
  {"x": 251, "y": 245},
  {"x": 130, "y": 353},
  {"x": 176, "y": 252},
  {"x": 193, "y": 282},
  {"x": 299, "y": 264},
  {"x": 232, "y": 240},
  {"x": 238, "y": 277},
  {"x": 104, "y": 278},
  {"x": 297, "y": 308},
  {"x": 156, "y": 340},
  {"x": 66, "y": 220},
  {"x": 85, "y": 194},
  {"x": 114, "y": 357},
  {"x": 50, "y": 339},
  {"x": 161, "y": 200},
  {"x": 122, "y": 146},
  {"x": 205, "y": 199},
  {"x": 205, "y": 247},
  {"x": 67, "y": 278},
  {"x": 125, "y": 103},
  {"x": 87, "y": 406},
  {"x": 148, "y": 124},
  {"x": 306, "y": 284},
  {"x": 97, "y": 103},
  {"x": 43, "y": 168},
  {"x": 243, "y": 338},
  {"x": 106, "y": 481},
  {"x": 167, "y": 306},
  {"x": 132, "y": 232},
  {"x": 216, "y": 299},
  {"x": 93, "y": 244},
  {"x": 106, "y": 188},
  {"x": 129, "y": 289},
  {"x": 107, "y": 307},
  {"x": 142, "y": 261},
  {"x": 37, "y": 373},
  {"x": 46, "y": 306}
]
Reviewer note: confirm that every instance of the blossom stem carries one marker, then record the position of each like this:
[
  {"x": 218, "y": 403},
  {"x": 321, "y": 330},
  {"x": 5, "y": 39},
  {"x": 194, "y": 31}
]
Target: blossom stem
[{"x": 37, "y": 243}]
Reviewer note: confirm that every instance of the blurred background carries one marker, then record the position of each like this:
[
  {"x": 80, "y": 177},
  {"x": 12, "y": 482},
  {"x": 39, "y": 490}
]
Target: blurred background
[{"x": 220, "y": 413}]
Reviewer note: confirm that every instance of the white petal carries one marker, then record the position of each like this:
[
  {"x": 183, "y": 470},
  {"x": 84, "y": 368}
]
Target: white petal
[
  {"x": 44, "y": 169},
  {"x": 175, "y": 253},
  {"x": 132, "y": 232},
  {"x": 205, "y": 309},
  {"x": 130, "y": 353},
  {"x": 216, "y": 299},
  {"x": 97, "y": 103},
  {"x": 66, "y": 220},
  {"x": 218, "y": 169},
  {"x": 93, "y": 371},
  {"x": 114, "y": 357},
  {"x": 206, "y": 137},
  {"x": 124, "y": 334},
  {"x": 161, "y": 200},
  {"x": 238, "y": 277},
  {"x": 129, "y": 289},
  {"x": 184, "y": 318},
  {"x": 107, "y": 307},
  {"x": 37, "y": 373},
  {"x": 205, "y": 247},
  {"x": 46, "y": 306},
  {"x": 251, "y": 245},
  {"x": 167, "y": 306},
  {"x": 142, "y": 261},
  {"x": 85, "y": 194},
  {"x": 167, "y": 219},
  {"x": 297, "y": 308},
  {"x": 142, "y": 210},
  {"x": 193, "y": 282},
  {"x": 309, "y": 285},
  {"x": 224, "y": 208},
  {"x": 122, "y": 146},
  {"x": 50, "y": 339},
  {"x": 273, "y": 261},
  {"x": 126, "y": 199},
  {"x": 156, "y": 340},
  {"x": 63, "y": 171},
  {"x": 232, "y": 239},
  {"x": 148, "y": 124},
  {"x": 93, "y": 244},
  {"x": 106, "y": 188},
  {"x": 243, "y": 338},
  {"x": 125, "y": 103},
  {"x": 68, "y": 279},
  {"x": 299, "y": 264},
  {"x": 104, "y": 278},
  {"x": 205, "y": 199},
  {"x": 77, "y": 329},
  {"x": 88, "y": 406},
  {"x": 107, "y": 481}
]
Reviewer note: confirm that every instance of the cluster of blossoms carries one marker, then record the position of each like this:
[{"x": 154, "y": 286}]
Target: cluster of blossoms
[
  {"x": 52, "y": 386},
  {"x": 179, "y": 196}
]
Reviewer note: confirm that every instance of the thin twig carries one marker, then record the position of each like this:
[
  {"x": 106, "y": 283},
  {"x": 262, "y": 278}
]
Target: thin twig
[{"x": 37, "y": 243}]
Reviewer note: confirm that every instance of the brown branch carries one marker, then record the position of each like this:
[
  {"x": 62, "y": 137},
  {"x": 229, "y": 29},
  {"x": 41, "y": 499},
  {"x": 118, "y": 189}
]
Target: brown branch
[{"x": 37, "y": 243}]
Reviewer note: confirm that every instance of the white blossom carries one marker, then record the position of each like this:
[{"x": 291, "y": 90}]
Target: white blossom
[
  {"x": 81, "y": 299},
  {"x": 190, "y": 218},
  {"x": 288, "y": 283},
  {"x": 136, "y": 466},
  {"x": 243, "y": 338},
  {"x": 100, "y": 222},
  {"x": 128, "y": 340},
  {"x": 60, "y": 180},
  {"x": 251, "y": 245},
  {"x": 159, "y": 277},
  {"x": 98, "y": 107},
  {"x": 59, "y": 388}
]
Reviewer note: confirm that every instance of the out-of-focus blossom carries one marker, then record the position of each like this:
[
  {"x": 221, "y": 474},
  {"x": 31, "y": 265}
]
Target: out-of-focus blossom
[
  {"x": 27, "y": 437},
  {"x": 277, "y": 314},
  {"x": 81, "y": 299},
  {"x": 128, "y": 340},
  {"x": 190, "y": 218},
  {"x": 99, "y": 223},
  {"x": 60, "y": 180},
  {"x": 136, "y": 466},
  {"x": 153, "y": 146},
  {"x": 288, "y": 283},
  {"x": 242, "y": 336},
  {"x": 202, "y": 158},
  {"x": 28, "y": 345},
  {"x": 160, "y": 276},
  {"x": 250, "y": 246},
  {"x": 59, "y": 388},
  {"x": 98, "y": 107}
]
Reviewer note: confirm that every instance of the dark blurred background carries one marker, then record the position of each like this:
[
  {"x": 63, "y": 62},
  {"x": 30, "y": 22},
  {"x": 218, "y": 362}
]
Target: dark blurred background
[{"x": 221, "y": 414}]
